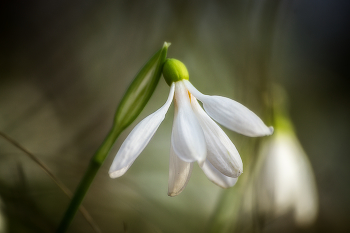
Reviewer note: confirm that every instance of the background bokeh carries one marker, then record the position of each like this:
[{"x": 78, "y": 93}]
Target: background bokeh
[{"x": 65, "y": 65}]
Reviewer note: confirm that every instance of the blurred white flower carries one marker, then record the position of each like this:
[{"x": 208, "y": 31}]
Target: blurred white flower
[
  {"x": 195, "y": 136},
  {"x": 285, "y": 180}
]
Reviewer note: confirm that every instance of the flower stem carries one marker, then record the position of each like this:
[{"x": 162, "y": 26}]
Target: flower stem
[
  {"x": 95, "y": 164},
  {"x": 134, "y": 100}
]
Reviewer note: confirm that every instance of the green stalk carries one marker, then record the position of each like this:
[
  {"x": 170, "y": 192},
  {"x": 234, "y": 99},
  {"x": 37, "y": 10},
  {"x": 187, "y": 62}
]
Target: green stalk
[
  {"x": 95, "y": 164},
  {"x": 134, "y": 100}
]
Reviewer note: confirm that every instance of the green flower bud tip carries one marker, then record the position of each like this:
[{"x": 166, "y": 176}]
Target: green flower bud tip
[
  {"x": 174, "y": 70},
  {"x": 166, "y": 44}
]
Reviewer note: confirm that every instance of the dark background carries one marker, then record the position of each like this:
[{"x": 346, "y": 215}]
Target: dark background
[{"x": 64, "y": 66}]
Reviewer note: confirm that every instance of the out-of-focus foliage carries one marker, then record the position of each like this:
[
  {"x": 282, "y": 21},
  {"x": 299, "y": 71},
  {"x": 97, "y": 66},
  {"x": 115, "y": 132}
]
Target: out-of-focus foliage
[{"x": 65, "y": 65}]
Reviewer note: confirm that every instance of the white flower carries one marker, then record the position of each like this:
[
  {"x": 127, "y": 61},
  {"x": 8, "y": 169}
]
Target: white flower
[
  {"x": 195, "y": 137},
  {"x": 285, "y": 180}
]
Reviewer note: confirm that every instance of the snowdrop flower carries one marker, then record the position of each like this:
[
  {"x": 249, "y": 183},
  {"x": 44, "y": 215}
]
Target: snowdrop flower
[
  {"x": 195, "y": 136},
  {"x": 286, "y": 181},
  {"x": 284, "y": 177}
]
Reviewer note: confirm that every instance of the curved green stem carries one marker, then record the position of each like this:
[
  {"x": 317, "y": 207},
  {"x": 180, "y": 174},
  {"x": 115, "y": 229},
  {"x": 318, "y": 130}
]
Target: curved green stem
[
  {"x": 95, "y": 164},
  {"x": 134, "y": 100}
]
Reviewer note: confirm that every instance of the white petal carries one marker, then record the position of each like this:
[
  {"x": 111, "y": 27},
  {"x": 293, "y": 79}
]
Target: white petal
[
  {"x": 179, "y": 174},
  {"x": 231, "y": 114},
  {"x": 221, "y": 152},
  {"x": 138, "y": 139},
  {"x": 216, "y": 177},
  {"x": 187, "y": 136}
]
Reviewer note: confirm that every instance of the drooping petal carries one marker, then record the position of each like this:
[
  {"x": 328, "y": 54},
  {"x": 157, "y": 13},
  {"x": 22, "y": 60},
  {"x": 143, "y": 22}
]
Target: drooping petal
[
  {"x": 231, "y": 114},
  {"x": 179, "y": 174},
  {"x": 138, "y": 139},
  {"x": 187, "y": 136},
  {"x": 221, "y": 152},
  {"x": 216, "y": 177}
]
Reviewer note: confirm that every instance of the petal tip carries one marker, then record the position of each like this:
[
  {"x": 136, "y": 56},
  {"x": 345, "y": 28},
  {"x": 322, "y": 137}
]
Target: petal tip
[
  {"x": 237, "y": 174},
  {"x": 172, "y": 194},
  {"x": 271, "y": 129},
  {"x": 116, "y": 174}
]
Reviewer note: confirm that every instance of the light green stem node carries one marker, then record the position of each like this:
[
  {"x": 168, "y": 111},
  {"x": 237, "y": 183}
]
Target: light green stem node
[{"x": 174, "y": 70}]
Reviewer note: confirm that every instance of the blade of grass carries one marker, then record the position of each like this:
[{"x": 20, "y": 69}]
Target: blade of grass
[{"x": 82, "y": 209}]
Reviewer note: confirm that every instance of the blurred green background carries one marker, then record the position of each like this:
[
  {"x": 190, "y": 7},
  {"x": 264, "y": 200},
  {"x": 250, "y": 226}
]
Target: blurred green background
[{"x": 65, "y": 65}]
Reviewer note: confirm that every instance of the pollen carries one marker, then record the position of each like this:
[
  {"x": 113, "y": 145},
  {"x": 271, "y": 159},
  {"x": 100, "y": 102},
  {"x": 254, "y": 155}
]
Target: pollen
[{"x": 189, "y": 95}]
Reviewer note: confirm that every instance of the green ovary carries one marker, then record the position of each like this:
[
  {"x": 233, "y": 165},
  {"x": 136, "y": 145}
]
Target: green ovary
[{"x": 174, "y": 70}]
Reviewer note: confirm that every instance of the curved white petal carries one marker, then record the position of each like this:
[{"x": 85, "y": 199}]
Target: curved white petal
[
  {"x": 179, "y": 174},
  {"x": 221, "y": 152},
  {"x": 216, "y": 177},
  {"x": 187, "y": 136},
  {"x": 231, "y": 114},
  {"x": 138, "y": 139}
]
